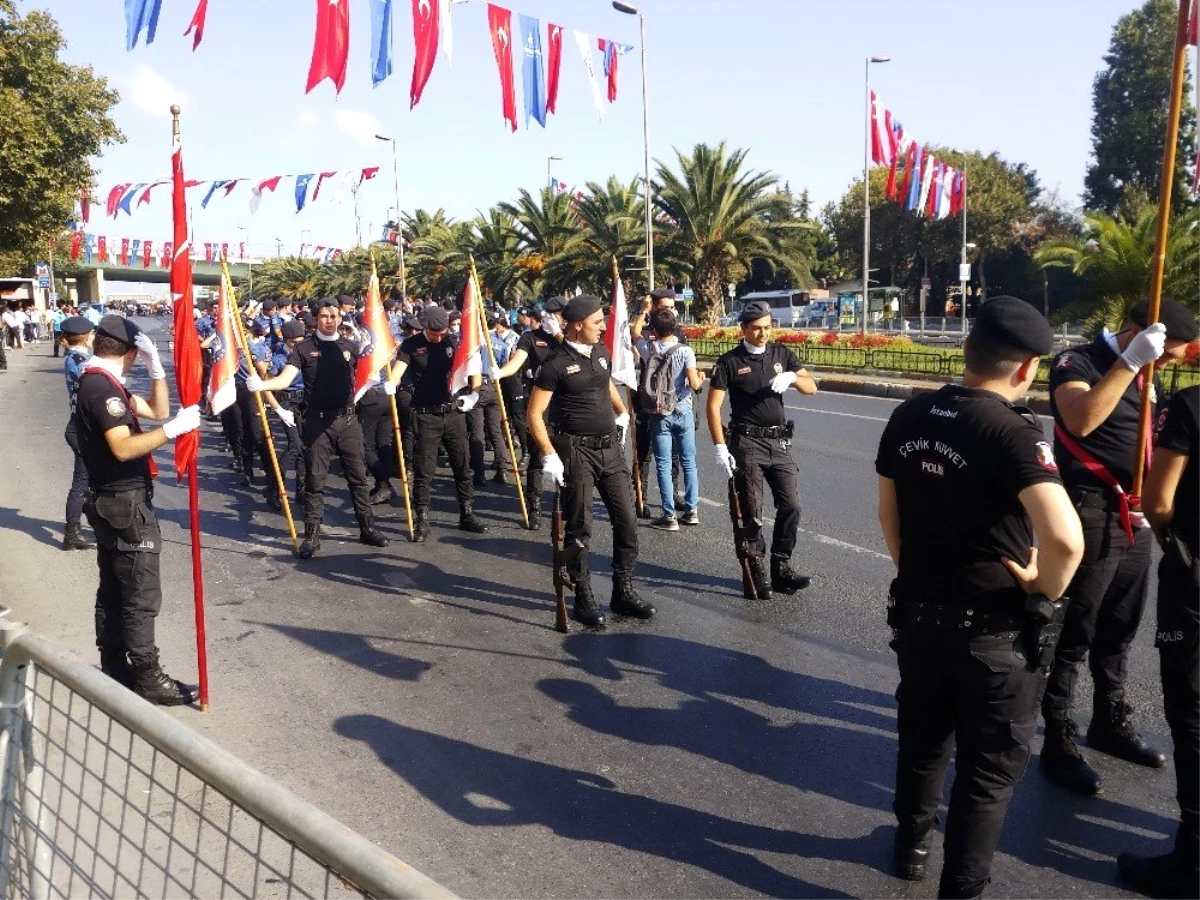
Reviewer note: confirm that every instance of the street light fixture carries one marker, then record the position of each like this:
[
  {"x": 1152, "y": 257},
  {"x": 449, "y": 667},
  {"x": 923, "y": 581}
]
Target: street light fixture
[
  {"x": 249, "y": 266},
  {"x": 866, "y": 279},
  {"x": 399, "y": 225},
  {"x": 634, "y": 11},
  {"x": 549, "y": 180}
]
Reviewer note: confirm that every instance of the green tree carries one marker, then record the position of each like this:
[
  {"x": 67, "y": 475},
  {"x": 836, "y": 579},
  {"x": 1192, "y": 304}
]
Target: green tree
[
  {"x": 613, "y": 227},
  {"x": 54, "y": 117},
  {"x": 544, "y": 226},
  {"x": 1130, "y": 99}
]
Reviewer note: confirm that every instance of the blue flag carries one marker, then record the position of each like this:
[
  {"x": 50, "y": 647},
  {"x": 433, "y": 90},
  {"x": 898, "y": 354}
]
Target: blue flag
[
  {"x": 127, "y": 197},
  {"x": 914, "y": 189},
  {"x": 140, "y": 15},
  {"x": 533, "y": 71},
  {"x": 212, "y": 190},
  {"x": 89, "y": 242},
  {"x": 302, "y": 190},
  {"x": 135, "y": 248},
  {"x": 381, "y": 40}
]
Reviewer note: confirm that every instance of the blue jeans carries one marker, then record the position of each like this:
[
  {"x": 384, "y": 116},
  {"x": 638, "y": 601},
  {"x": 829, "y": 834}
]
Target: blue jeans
[{"x": 665, "y": 431}]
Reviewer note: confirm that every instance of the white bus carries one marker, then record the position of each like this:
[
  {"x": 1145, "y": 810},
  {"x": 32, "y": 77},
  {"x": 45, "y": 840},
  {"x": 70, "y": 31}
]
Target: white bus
[{"x": 789, "y": 309}]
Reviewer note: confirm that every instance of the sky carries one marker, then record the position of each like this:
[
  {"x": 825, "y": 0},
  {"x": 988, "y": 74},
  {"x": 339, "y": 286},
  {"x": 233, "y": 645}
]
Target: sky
[{"x": 781, "y": 78}]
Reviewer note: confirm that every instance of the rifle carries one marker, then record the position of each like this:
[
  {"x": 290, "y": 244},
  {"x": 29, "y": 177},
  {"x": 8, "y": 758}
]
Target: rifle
[
  {"x": 740, "y": 545},
  {"x": 562, "y": 579}
]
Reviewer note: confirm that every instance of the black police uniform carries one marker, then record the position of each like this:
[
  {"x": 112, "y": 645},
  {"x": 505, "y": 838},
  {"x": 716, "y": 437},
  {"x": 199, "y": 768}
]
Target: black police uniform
[
  {"x": 959, "y": 458},
  {"x": 379, "y": 440},
  {"x": 1108, "y": 592},
  {"x": 585, "y": 436},
  {"x": 539, "y": 345},
  {"x": 330, "y": 426},
  {"x": 436, "y": 422},
  {"x": 291, "y": 399},
  {"x": 758, "y": 437},
  {"x": 73, "y": 367},
  {"x": 484, "y": 419}
]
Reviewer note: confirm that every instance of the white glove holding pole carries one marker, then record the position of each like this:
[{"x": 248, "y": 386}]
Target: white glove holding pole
[
  {"x": 286, "y": 416},
  {"x": 187, "y": 419},
  {"x": 1146, "y": 346},
  {"x": 623, "y": 424},
  {"x": 553, "y": 472},
  {"x": 467, "y": 402},
  {"x": 725, "y": 461},
  {"x": 550, "y": 324},
  {"x": 254, "y": 383},
  {"x": 389, "y": 387},
  {"x": 148, "y": 354},
  {"x": 781, "y": 382}
]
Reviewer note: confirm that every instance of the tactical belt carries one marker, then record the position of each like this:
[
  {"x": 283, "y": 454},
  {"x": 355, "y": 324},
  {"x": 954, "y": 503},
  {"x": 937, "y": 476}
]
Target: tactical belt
[
  {"x": 589, "y": 441},
  {"x": 761, "y": 431},
  {"x": 1095, "y": 499},
  {"x": 961, "y": 617},
  {"x": 440, "y": 409},
  {"x": 327, "y": 414},
  {"x": 139, "y": 494},
  {"x": 294, "y": 396}
]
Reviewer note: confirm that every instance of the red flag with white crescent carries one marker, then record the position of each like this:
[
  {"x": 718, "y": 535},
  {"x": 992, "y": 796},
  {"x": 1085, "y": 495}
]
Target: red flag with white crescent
[
  {"x": 188, "y": 364},
  {"x": 331, "y": 45},
  {"x": 426, "y": 29},
  {"x": 500, "y": 23},
  {"x": 222, "y": 390},
  {"x": 382, "y": 345},
  {"x": 553, "y": 64},
  {"x": 197, "y": 24},
  {"x": 468, "y": 359}
]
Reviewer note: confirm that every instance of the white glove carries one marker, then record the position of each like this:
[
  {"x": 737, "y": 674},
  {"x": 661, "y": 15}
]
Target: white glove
[
  {"x": 148, "y": 354},
  {"x": 725, "y": 461},
  {"x": 781, "y": 382},
  {"x": 389, "y": 387},
  {"x": 254, "y": 383},
  {"x": 467, "y": 402},
  {"x": 623, "y": 424},
  {"x": 286, "y": 416},
  {"x": 1147, "y": 346},
  {"x": 553, "y": 472},
  {"x": 550, "y": 324},
  {"x": 187, "y": 419}
]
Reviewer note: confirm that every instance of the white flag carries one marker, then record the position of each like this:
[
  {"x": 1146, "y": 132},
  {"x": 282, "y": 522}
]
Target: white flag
[
  {"x": 447, "y": 30},
  {"x": 943, "y": 209},
  {"x": 585, "y": 49},
  {"x": 619, "y": 340},
  {"x": 926, "y": 184}
]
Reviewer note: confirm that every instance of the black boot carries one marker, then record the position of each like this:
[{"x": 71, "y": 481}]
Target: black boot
[
  {"x": 370, "y": 535},
  {"x": 381, "y": 492},
  {"x": 784, "y": 578},
  {"x": 468, "y": 521},
  {"x": 421, "y": 525},
  {"x": 533, "y": 507},
  {"x": 762, "y": 584},
  {"x": 153, "y": 684},
  {"x": 247, "y": 479},
  {"x": 911, "y": 851},
  {"x": 115, "y": 664},
  {"x": 1170, "y": 875},
  {"x": 501, "y": 477},
  {"x": 627, "y": 602},
  {"x": 1111, "y": 731},
  {"x": 273, "y": 500},
  {"x": 1062, "y": 761},
  {"x": 73, "y": 540},
  {"x": 312, "y": 541},
  {"x": 585, "y": 611}
]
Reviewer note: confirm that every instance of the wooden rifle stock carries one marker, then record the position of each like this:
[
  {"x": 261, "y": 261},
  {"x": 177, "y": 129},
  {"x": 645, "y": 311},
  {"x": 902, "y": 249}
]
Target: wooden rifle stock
[
  {"x": 739, "y": 543},
  {"x": 562, "y": 580}
]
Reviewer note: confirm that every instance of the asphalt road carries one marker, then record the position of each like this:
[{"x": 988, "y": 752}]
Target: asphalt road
[{"x": 420, "y": 694}]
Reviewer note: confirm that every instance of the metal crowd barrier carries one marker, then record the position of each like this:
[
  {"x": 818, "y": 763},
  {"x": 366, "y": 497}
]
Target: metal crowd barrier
[{"x": 103, "y": 794}]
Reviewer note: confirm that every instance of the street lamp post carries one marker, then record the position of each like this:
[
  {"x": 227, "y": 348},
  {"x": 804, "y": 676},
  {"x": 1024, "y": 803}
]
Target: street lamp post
[
  {"x": 866, "y": 279},
  {"x": 962, "y": 268},
  {"x": 634, "y": 11},
  {"x": 249, "y": 265},
  {"x": 399, "y": 224},
  {"x": 549, "y": 179}
]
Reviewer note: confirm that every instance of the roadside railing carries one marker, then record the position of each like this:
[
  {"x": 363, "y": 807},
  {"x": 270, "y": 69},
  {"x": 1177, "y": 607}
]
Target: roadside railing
[{"x": 102, "y": 794}]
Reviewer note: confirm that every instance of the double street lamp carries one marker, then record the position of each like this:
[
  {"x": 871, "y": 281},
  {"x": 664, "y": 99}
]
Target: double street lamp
[
  {"x": 634, "y": 11},
  {"x": 549, "y": 179},
  {"x": 399, "y": 218},
  {"x": 866, "y": 275}
]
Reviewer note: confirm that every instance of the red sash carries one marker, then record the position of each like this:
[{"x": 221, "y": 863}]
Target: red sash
[
  {"x": 137, "y": 426},
  {"x": 1098, "y": 469}
]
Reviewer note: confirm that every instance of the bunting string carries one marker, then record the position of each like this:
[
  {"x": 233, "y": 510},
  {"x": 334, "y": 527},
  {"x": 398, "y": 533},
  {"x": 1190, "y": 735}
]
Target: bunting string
[{"x": 916, "y": 178}]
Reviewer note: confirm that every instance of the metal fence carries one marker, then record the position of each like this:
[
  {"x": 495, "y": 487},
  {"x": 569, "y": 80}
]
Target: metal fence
[{"x": 102, "y": 794}]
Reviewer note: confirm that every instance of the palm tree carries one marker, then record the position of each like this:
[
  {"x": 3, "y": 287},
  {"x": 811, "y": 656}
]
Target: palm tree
[
  {"x": 544, "y": 227},
  {"x": 293, "y": 277},
  {"x": 503, "y": 267},
  {"x": 437, "y": 259},
  {"x": 726, "y": 216},
  {"x": 612, "y": 226}
]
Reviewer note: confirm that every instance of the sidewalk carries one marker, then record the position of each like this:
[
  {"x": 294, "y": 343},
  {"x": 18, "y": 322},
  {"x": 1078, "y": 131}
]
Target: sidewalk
[{"x": 899, "y": 388}]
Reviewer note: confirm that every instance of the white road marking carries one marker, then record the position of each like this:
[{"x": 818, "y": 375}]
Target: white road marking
[
  {"x": 830, "y": 412},
  {"x": 819, "y": 538}
]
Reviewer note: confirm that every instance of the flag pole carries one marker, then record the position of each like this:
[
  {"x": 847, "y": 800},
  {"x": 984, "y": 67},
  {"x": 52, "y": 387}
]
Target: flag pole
[
  {"x": 1158, "y": 263},
  {"x": 512, "y": 452},
  {"x": 398, "y": 440},
  {"x": 243, "y": 345},
  {"x": 629, "y": 400},
  {"x": 192, "y": 476}
]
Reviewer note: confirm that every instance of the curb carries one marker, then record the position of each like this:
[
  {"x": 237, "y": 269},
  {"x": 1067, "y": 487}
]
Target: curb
[{"x": 1040, "y": 404}]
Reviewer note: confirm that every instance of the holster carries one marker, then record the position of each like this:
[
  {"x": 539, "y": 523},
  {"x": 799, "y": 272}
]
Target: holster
[
  {"x": 120, "y": 512},
  {"x": 1176, "y": 549},
  {"x": 895, "y": 612},
  {"x": 1043, "y": 626}
]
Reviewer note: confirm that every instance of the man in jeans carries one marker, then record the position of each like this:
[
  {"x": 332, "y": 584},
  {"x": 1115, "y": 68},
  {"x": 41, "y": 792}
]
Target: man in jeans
[{"x": 672, "y": 428}]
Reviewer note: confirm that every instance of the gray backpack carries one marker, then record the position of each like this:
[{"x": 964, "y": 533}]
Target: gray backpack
[{"x": 656, "y": 390}]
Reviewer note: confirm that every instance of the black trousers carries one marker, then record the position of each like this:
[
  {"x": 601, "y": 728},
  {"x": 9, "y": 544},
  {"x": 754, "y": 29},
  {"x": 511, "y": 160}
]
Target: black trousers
[
  {"x": 485, "y": 417},
  {"x": 759, "y": 458},
  {"x": 1178, "y": 642},
  {"x": 292, "y": 457},
  {"x": 251, "y": 438},
  {"x": 605, "y": 470},
  {"x": 1107, "y": 596},
  {"x": 128, "y": 547},
  {"x": 448, "y": 430},
  {"x": 323, "y": 437},
  {"x": 975, "y": 698},
  {"x": 57, "y": 345},
  {"x": 513, "y": 389},
  {"x": 205, "y": 375},
  {"x": 379, "y": 442},
  {"x": 79, "y": 477}
]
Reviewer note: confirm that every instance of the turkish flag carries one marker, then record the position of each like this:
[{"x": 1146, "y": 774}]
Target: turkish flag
[
  {"x": 165, "y": 262},
  {"x": 102, "y": 248},
  {"x": 380, "y": 345},
  {"x": 500, "y": 23},
  {"x": 124, "y": 251},
  {"x": 425, "y": 37},
  {"x": 468, "y": 357},
  {"x": 197, "y": 24},
  {"x": 554, "y": 64},
  {"x": 76, "y": 244},
  {"x": 188, "y": 363},
  {"x": 146, "y": 253},
  {"x": 331, "y": 46},
  {"x": 114, "y": 197}
]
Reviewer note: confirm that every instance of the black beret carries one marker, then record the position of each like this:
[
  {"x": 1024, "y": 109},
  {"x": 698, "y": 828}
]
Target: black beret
[
  {"x": 1011, "y": 322},
  {"x": 293, "y": 329},
  {"x": 325, "y": 303},
  {"x": 344, "y": 299},
  {"x": 662, "y": 294},
  {"x": 307, "y": 319},
  {"x": 258, "y": 327},
  {"x": 434, "y": 318},
  {"x": 119, "y": 328},
  {"x": 753, "y": 311},
  {"x": 360, "y": 304},
  {"x": 1181, "y": 324},
  {"x": 390, "y": 304},
  {"x": 269, "y": 305},
  {"x": 555, "y": 304},
  {"x": 581, "y": 307},
  {"x": 448, "y": 304},
  {"x": 412, "y": 322},
  {"x": 76, "y": 325}
]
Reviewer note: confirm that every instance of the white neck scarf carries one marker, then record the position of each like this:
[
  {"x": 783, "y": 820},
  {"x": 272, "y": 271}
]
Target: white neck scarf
[
  {"x": 584, "y": 349},
  {"x": 750, "y": 348},
  {"x": 1111, "y": 339},
  {"x": 326, "y": 337},
  {"x": 113, "y": 367}
]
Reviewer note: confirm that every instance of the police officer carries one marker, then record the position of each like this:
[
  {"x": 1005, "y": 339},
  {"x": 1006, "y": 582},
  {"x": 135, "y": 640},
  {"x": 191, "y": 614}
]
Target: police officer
[
  {"x": 533, "y": 349},
  {"x": 756, "y": 374},
  {"x": 438, "y": 418},
  {"x": 76, "y": 333},
  {"x": 330, "y": 426},
  {"x": 1095, "y": 397},
  {"x": 967, "y": 482},
  {"x": 249, "y": 426},
  {"x": 484, "y": 419},
  {"x": 584, "y": 448},
  {"x": 206, "y": 328},
  {"x": 1171, "y": 501},
  {"x": 288, "y": 405},
  {"x": 512, "y": 388},
  {"x": 116, "y": 453}
]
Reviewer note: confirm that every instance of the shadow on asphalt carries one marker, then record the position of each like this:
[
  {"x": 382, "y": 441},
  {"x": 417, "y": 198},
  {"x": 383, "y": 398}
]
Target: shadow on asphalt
[{"x": 44, "y": 531}]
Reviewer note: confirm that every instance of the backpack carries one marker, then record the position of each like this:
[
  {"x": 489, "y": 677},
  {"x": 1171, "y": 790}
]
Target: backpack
[{"x": 656, "y": 390}]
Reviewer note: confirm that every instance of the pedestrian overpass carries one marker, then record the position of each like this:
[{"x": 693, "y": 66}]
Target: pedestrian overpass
[{"x": 91, "y": 277}]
